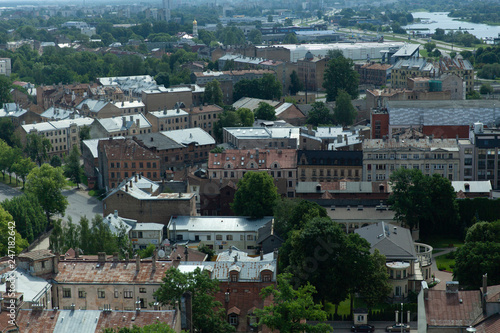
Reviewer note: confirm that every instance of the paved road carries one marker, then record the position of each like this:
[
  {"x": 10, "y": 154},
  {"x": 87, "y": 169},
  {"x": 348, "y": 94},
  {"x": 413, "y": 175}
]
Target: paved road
[
  {"x": 80, "y": 203},
  {"x": 344, "y": 327}
]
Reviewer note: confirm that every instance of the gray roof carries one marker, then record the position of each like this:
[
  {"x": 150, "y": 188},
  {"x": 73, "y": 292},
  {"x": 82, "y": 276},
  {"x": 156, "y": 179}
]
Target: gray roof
[
  {"x": 92, "y": 104},
  {"x": 347, "y": 187},
  {"x": 420, "y": 64},
  {"x": 366, "y": 215},
  {"x": 59, "y": 113},
  {"x": 447, "y": 113},
  {"x": 426, "y": 144},
  {"x": 59, "y": 124},
  {"x": 31, "y": 286},
  {"x": 158, "y": 140},
  {"x": 119, "y": 124},
  {"x": 407, "y": 50},
  {"x": 394, "y": 242},
  {"x": 190, "y": 135},
  {"x": 116, "y": 223},
  {"x": 92, "y": 145},
  {"x": 218, "y": 223},
  {"x": 77, "y": 321},
  {"x": 12, "y": 110},
  {"x": 474, "y": 186},
  {"x": 248, "y": 270},
  {"x": 252, "y": 103}
]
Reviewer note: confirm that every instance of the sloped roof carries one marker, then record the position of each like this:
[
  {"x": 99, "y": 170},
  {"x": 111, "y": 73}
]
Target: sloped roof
[
  {"x": 395, "y": 243},
  {"x": 444, "y": 309},
  {"x": 217, "y": 223},
  {"x": 252, "y": 103},
  {"x": 116, "y": 124},
  {"x": 190, "y": 135}
]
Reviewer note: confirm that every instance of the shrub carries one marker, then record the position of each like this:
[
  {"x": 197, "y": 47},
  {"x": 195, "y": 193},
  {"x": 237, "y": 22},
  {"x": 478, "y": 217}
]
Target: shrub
[
  {"x": 451, "y": 255},
  {"x": 441, "y": 267}
]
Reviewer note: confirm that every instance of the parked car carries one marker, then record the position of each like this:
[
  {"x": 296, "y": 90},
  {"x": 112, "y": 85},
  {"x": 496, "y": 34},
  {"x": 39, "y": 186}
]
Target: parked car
[
  {"x": 362, "y": 328},
  {"x": 398, "y": 328}
]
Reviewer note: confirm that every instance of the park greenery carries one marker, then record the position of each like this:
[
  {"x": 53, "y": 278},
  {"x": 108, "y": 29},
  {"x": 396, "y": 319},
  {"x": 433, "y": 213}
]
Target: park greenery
[{"x": 268, "y": 87}]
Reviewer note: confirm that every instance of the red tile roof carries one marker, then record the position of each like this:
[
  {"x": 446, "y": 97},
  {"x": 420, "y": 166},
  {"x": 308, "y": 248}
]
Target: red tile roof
[
  {"x": 285, "y": 158},
  {"x": 445, "y": 309},
  {"x": 205, "y": 108},
  {"x": 125, "y": 149},
  {"x": 116, "y": 319},
  {"x": 37, "y": 321},
  {"x": 490, "y": 325}
]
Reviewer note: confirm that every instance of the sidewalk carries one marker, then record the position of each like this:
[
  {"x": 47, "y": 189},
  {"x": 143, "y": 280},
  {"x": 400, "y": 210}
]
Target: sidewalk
[{"x": 442, "y": 276}]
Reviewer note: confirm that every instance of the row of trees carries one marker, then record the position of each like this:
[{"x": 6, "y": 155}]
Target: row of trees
[
  {"x": 268, "y": 87},
  {"x": 343, "y": 114}
]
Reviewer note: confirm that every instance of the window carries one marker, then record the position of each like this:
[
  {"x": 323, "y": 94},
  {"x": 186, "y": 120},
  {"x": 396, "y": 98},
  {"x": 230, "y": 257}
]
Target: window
[
  {"x": 234, "y": 277},
  {"x": 66, "y": 292},
  {"x": 218, "y": 237},
  {"x": 229, "y": 237},
  {"x": 148, "y": 165},
  {"x": 127, "y": 294},
  {"x": 112, "y": 165},
  {"x": 101, "y": 293},
  {"x": 116, "y": 293},
  {"x": 133, "y": 164},
  {"x": 249, "y": 237},
  {"x": 81, "y": 293},
  {"x": 233, "y": 320},
  {"x": 141, "y": 165},
  {"x": 142, "y": 290},
  {"x": 209, "y": 237}
]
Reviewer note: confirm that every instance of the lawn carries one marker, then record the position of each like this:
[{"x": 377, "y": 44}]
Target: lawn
[
  {"x": 443, "y": 262},
  {"x": 444, "y": 242}
]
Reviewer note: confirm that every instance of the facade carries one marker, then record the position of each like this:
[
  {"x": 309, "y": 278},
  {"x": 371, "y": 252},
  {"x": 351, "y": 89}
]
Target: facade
[
  {"x": 205, "y": 117},
  {"x": 18, "y": 115},
  {"x": 232, "y": 164},
  {"x": 140, "y": 199},
  {"x": 381, "y": 157},
  {"x": 373, "y": 73},
  {"x": 5, "y": 66},
  {"x": 120, "y": 126},
  {"x": 168, "y": 120},
  {"x": 132, "y": 86},
  {"x": 376, "y": 98},
  {"x": 461, "y": 67},
  {"x": 119, "y": 159},
  {"x": 328, "y": 165},
  {"x": 130, "y": 107},
  {"x": 408, "y": 263},
  {"x": 218, "y": 233},
  {"x": 414, "y": 67},
  {"x": 261, "y": 137},
  {"x": 311, "y": 71},
  {"x": 63, "y": 134},
  {"x": 159, "y": 98}
]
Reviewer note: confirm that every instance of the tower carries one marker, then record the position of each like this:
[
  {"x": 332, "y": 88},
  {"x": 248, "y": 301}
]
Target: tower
[
  {"x": 195, "y": 28},
  {"x": 167, "y": 5}
]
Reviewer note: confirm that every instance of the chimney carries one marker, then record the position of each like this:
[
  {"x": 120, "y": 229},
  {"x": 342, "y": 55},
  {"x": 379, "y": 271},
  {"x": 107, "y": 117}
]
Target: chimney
[
  {"x": 55, "y": 263},
  {"x": 136, "y": 178},
  {"x": 101, "y": 257},
  {"x": 126, "y": 187},
  {"x": 485, "y": 292},
  {"x": 138, "y": 122},
  {"x": 115, "y": 257},
  {"x": 261, "y": 255},
  {"x": 137, "y": 263},
  {"x": 124, "y": 121},
  {"x": 130, "y": 183},
  {"x": 77, "y": 252},
  {"x": 116, "y": 214},
  {"x": 186, "y": 253},
  {"x": 154, "y": 260},
  {"x": 127, "y": 257}
]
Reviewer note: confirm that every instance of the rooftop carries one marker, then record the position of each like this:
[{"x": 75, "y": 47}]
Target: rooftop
[
  {"x": 249, "y": 271},
  {"x": 31, "y": 286},
  {"x": 126, "y": 149},
  {"x": 473, "y": 186},
  {"x": 219, "y": 223},
  {"x": 55, "y": 125},
  {"x": 460, "y": 309},
  {"x": 129, "y": 104},
  {"x": 168, "y": 113},
  {"x": 59, "y": 113},
  {"x": 157, "y": 140},
  {"x": 394, "y": 242},
  {"x": 407, "y": 50},
  {"x": 36, "y": 255},
  {"x": 263, "y": 132},
  {"x": 187, "y": 136},
  {"x": 252, "y": 103},
  {"x": 427, "y": 144},
  {"x": 254, "y": 159}
]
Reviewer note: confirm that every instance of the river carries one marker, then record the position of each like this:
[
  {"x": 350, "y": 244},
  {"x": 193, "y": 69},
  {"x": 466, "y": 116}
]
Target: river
[{"x": 443, "y": 21}]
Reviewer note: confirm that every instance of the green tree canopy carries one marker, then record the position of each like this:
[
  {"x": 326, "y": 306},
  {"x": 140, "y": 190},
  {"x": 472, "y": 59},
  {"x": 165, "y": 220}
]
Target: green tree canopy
[
  {"x": 246, "y": 117},
  {"x": 255, "y": 196},
  {"x": 345, "y": 112},
  {"x": 208, "y": 314},
  {"x": 28, "y": 214},
  {"x": 340, "y": 75},
  {"x": 72, "y": 168},
  {"x": 23, "y": 167},
  {"x": 7, "y": 232},
  {"x": 213, "y": 93},
  {"x": 46, "y": 184},
  {"x": 295, "y": 84},
  {"x": 475, "y": 259},
  {"x": 290, "y": 38},
  {"x": 37, "y": 148},
  {"x": 255, "y": 36},
  {"x": 157, "y": 327},
  {"x": 265, "y": 111},
  {"x": 290, "y": 307},
  {"x": 319, "y": 115}
]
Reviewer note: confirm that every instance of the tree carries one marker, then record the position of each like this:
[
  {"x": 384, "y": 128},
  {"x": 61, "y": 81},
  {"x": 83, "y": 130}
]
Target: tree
[
  {"x": 72, "y": 168},
  {"x": 157, "y": 327},
  {"x": 269, "y": 18},
  {"x": 55, "y": 161},
  {"x": 7, "y": 130},
  {"x": 163, "y": 78},
  {"x": 290, "y": 38},
  {"x": 46, "y": 183},
  {"x": 255, "y": 196},
  {"x": 208, "y": 251},
  {"x": 345, "y": 113},
  {"x": 147, "y": 252},
  {"x": 486, "y": 88},
  {"x": 11, "y": 242},
  {"x": 28, "y": 214},
  {"x": 37, "y": 148},
  {"x": 295, "y": 84},
  {"x": 376, "y": 286},
  {"x": 483, "y": 232},
  {"x": 429, "y": 46},
  {"x": 475, "y": 259},
  {"x": 246, "y": 117},
  {"x": 270, "y": 87},
  {"x": 5, "y": 86},
  {"x": 213, "y": 93},
  {"x": 340, "y": 75},
  {"x": 319, "y": 115},
  {"x": 290, "y": 307},
  {"x": 334, "y": 53},
  {"x": 208, "y": 314},
  {"x": 255, "y": 36},
  {"x": 473, "y": 94},
  {"x": 23, "y": 167},
  {"x": 265, "y": 112}
]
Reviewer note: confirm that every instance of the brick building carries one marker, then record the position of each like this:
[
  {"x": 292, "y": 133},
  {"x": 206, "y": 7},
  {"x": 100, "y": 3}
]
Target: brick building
[
  {"x": 261, "y": 137},
  {"x": 120, "y": 126},
  {"x": 311, "y": 70},
  {"x": 373, "y": 73},
  {"x": 120, "y": 159},
  {"x": 281, "y": 164},
  {"x": 168, "y": 120},
  {"x": 160, "y": 98},
  {"x": 141, "y": 199},
  {"x": 205, "y": 117},
  {"x": 329, "y": 165}
]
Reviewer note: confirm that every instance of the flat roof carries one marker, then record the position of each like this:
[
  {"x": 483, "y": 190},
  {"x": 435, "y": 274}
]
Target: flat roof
[{"x": 219, "y": 223}]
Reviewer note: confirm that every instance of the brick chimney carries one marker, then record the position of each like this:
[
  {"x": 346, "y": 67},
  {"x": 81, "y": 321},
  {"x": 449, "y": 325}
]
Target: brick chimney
[
  {"x": 55, "y": 263},
  {"x": 115, "y": 257},
  {"x": 101, "y": 257},
  {"x": 154, "y": 260},
  {"x": 137, "y": 263}
]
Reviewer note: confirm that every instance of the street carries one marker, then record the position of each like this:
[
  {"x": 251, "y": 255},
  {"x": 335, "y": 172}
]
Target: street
[{"x": 344, "y": 326}]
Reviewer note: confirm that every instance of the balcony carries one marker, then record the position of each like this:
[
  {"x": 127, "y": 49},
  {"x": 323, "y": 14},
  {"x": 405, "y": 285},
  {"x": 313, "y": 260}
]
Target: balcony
[{"x": 424, "y": 254}]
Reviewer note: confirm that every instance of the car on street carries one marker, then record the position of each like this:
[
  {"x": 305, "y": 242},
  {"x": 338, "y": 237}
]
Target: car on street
[
  {"x": 398, "y": 328},
  {"x": 362, "y": 328}
]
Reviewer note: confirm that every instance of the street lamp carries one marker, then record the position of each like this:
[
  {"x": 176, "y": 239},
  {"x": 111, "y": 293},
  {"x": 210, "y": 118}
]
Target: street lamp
[{"x": 402, "y": 327}]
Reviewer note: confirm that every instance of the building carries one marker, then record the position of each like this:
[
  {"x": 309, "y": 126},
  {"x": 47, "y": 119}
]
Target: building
[
  {"x": 140, "y": 199},
  {"x": 330, "y": 138},
  {"x": 372, "y": 73},
  {"x": 379, "y": 98},
  {"x": 140, "y": 234},
  {"x": 168, "y": 120},
  {"x": 414, "y": 67},
  {"x": 472, "y": 189},
  {"x": 408, "y": 263},
  {"x": 119, "y": 159},
  {"x": 160, "y": 98},
  {"x": 311, "y": 71},
  {"x": 291, "y": 114},
  {"x": 99, "y": 109},
  {"x": 461, "y": 67},
  {"x": 328, "y": 165},
  {"x": 406, "y": 52},
  {"x": 381, "y": 157},
  {"x": 205, "y": 117},
  {"x": 120, "y": 126},
  {"x": 90, "y": 157},
  {"x": 5, "y": 66},
  {"x": 344, "y": 193},
  {"x": 132, "y": 86},
  {"x": 261, "y": 137},
  {"x": 69, "y": 95},
  {"x": 63, "y": 134},
  {"x": 232, "y": 164},
  {"x": 130, "y": 107},
  {"x": 218, "y": 233},
  {"x": 485, "y": 155},
  {"x": 56, "y": 113},
  {"x": 18, "y": 115},
  {"x": 253, "y": 103}
]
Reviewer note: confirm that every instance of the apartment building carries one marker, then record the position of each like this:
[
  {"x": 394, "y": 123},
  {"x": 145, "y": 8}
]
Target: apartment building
[
  {"x": 373, "y": 73},
  {"x": 160, "y": 98},
  {"x": 329, "y": 165},
  {"x": 311, "y": 70},
  {"x": 168, "y": 120},
  {"x": 382, "y": 156},
  {"x": 261, "y": 137},
  {"x": 232, "y": 165},
  {"x": 120, "y": 126},
  {"x": 485, "y": 157},
  {"x": 205, "y": 117},
  {"x": 98, "y": 109}
]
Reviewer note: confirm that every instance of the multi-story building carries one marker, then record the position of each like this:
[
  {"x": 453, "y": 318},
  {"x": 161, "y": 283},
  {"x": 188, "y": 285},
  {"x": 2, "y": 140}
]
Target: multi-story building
[
  {"x": 382, "y": 156},
  {"x": 5, "y": 66},
  {"x": 130, "y": 107},
  {"x": 414, "y": 67},
  {"x": 461, "y": 67},
  {"x": 168, "y": 120},
  {"x": 120, "y": 126},
  {"x": 18, "y": 115},
  {"x": 232, "y": 164},
  {"x": 376, "y": 98},
  {"x": 262, "y": 137},
  {"x": 63, "y": 134},
  {"x": 205, "y": 117},
  {"x": 485, "y": 158},
  {"x": 120, "y": 159},
  {"x": 98, "y": 109},
  {"x": 329, "y": 165},
  {"x": 373, "y": 73},
  {"x": 141, "y": 199},
  {"x": 132, "y": 86},
  {"x": 330, "y": 138},
  {"x": 160, "y": 98},
  {"x": 311, "y": 71},
  {"x": 218, "y": 233}
]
